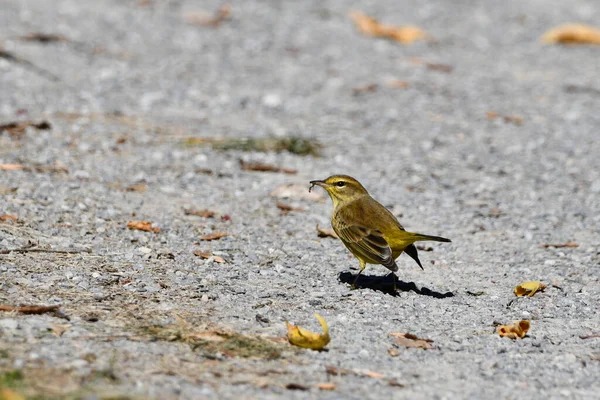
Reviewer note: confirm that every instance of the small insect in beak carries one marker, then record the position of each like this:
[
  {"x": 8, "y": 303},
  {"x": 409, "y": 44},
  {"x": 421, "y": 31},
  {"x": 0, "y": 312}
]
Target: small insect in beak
[{"x": 316, "y": 183}]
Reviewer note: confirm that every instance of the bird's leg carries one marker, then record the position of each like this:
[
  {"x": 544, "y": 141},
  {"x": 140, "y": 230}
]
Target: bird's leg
[{"x": 362, "y": 268}]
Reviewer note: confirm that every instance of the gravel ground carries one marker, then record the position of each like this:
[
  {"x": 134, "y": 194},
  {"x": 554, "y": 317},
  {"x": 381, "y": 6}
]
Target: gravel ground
[{"x": 134, "y": 79}]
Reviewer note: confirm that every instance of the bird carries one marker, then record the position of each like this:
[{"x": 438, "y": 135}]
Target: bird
[{"x": 368, "y": 229}]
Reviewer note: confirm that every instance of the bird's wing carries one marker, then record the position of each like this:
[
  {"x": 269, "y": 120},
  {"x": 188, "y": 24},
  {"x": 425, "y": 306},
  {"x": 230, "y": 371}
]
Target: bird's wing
[{"x": 368, "y": 243}]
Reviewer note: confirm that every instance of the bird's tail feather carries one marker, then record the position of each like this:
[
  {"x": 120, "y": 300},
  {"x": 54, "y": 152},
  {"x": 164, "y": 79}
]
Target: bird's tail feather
[{"x": 419, "y": 236}]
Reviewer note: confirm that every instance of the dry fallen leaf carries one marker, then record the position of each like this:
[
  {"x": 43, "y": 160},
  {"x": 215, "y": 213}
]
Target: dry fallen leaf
[
  {"x": 145, "y": 226},
  {"x": 43, "y": 37},
  {"x": 327, "y": 232},
  {"x": 297, "y": 192},
  {"x": 518, "y": 330},
  {"x": 368, "y": 88},
  {"x": 207, "y": 255},
  {"x": 371, "y": 27},
  {"x": 310, "y": 340},
  {"x": 286, "y": 208},
  {"x": 11, "y": 167},
  {"x": 202, "y": 18},
  {"x": 213, "y": 236},
  {"x": 137, "y": 187},
  {"x": 58, "y": 329},
  {"x": 572, "y": 34},
  {"x": 200, "y": 213},
  {"x": 561, "y": 245},
  {"x": 529, "y": 288},
  {"x": 6, "y": 217},
  {"x": 326, "y": 386},
  {"x": 398, "y": 84},
  {"x": 262, "y": 167},
  {"x": 18, "y": 128},
  {"x": 491, "y": 115},
  {"x": 410, "y": 340},
  {"x": 392, "y": 351}
]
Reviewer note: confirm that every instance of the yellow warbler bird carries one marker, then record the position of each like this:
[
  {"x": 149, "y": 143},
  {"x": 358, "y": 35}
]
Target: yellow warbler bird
[{"x": 368, "y": 229}]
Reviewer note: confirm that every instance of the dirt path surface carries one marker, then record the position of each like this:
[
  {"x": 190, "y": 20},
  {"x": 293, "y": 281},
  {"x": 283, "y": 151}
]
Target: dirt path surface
[{"x": 479, "y": 133}]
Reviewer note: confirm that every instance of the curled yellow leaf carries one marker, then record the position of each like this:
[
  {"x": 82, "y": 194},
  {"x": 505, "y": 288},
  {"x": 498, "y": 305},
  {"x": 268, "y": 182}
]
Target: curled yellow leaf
[
  {"x": 572, "y": 34},
  {"x": 371, "y": 27},
  {"x": 518, "y": 330},
  {"x": 528, "y": 288},
  {"x": 309, "y": 340}
]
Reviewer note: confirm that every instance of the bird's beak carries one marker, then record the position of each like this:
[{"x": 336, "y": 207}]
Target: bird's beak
[{"x": 318, "y": 183}]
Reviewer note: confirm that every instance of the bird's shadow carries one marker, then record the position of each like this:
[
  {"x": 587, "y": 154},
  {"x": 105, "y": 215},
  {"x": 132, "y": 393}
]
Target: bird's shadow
[{"x": 385, "y": 285}]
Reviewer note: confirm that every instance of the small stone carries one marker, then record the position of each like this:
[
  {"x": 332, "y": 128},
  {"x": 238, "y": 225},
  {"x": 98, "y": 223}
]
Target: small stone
[
  {"x": 144, "y": 250},
  {"x": 271, "y": 100}
]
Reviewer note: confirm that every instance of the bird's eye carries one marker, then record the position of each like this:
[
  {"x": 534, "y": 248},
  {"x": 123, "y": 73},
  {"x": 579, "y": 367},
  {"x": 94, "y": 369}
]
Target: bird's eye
[{"x": 340, "y": 184}]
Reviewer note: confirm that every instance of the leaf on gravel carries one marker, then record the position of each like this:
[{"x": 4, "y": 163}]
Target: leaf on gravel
[
  {"x": 207, "y": 255},
  {"x": 43, "y": 37},
  {"x": 200, "y": 213},
  {"x": 371, "y": 27},
  {"x": 18, "y": 128},
  {"x": 137, "y": 187},
  {"x": 491, "y": 115},
  {"x": 296, "y": 386},
  {"x": 326, "y": 386},
  {"x": 262, "y": 167},
  {"x": 297, "y": 192},
  {"x": 518, "y": 330},
  {"x": 145, "y": 226},
  {"x": 286, "y": 208},
  {"x": 213, "y": 236},
  {"x": 8, "y": 217},
  {"x": 398, "y": 84},
  {"x": 203, "y": 18},
  {"x": 294, "y": 145},
  {"x": 476, "y": 294},
  {"x": 58, "y": 329},
  {"x": 335, "y": 371},
  {"x": 572, "y": 34},
  {"x": 591, "y": 336},
  {"x": 326, "y": 232},
  {"x": 309, "y": 340},
  {"x": 558, "y": 246},
  {"x": 368, "y": 88},
  {"x": 11, "y": 167},
  {"x": 410, "y": 340},
  {"x": 529, "y": 288}
]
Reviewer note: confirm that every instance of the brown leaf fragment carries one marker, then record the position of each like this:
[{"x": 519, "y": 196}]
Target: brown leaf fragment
[
  {"x": 58, "y": 329},
  {"x": 8, "y": 217},
  {"x": 392, "y": 351},
  {"x": 207, "y": 255},
  {"x": 145, "y": 226},
  {"x": 560, "y": 245},
  {"x": 200, "y": 213},
  {"x": 410, "y": 340},
  {"x": 30, "y": 309},
  {"x": 369, "y": 26},
  {"x": 518, "y": 330},
  {"x": 262, "y": 167},
  {"x": 591, "y": 336},
  {"x": 202, "y": 18},
  {"x": 398, "y": 84},
  {"x": 439, "y": 67},
  {"x": 325, "y": 386},
  {"x": 395, "y": 383},
  {"x": 326, "y": 232},
  {"x": 491, "y": 115},
  {"x": 286, "y": 208},
  {"x": 11, "y": 167},
  {"x": 572, "y": 34},
  {"x": 137, "y": 187},
  {"x": 296, "y": 386},
  {"x": 18, "y": 129},
  {"x": 423, "y": 247},
  {"x": 43, "y": 37},
  {"x": 372, "y": 374},
  {"x": 368, "y": 88},
  {"x": 331, "y": 370},
  {"x": 213, "y": 236}
]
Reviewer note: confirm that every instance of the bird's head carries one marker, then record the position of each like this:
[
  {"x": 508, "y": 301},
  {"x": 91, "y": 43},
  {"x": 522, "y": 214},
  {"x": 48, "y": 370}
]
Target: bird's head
[{"x": 341, "y": 188}]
